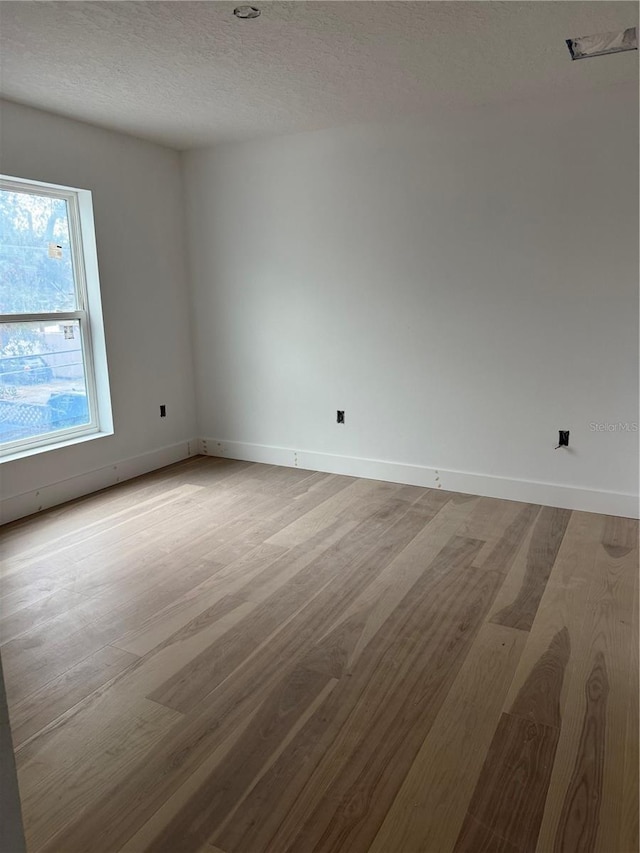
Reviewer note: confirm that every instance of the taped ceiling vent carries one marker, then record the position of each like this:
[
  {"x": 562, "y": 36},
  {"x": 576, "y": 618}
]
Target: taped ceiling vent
[{"x": 603, "y": 43}]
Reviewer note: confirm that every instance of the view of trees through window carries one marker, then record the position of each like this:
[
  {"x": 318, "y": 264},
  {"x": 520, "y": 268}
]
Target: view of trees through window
[{"x": 42, "y": 372}]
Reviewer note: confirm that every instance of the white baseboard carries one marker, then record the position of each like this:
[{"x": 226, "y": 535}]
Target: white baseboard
[
  {"x": 529, "y": 491},
  {"x": 18, "y": 506},
  {"x": 549, "y": 494}
]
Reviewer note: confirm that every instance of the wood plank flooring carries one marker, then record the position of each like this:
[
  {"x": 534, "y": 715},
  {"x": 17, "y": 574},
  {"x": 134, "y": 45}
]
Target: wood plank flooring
[{"x": 226, "y": 657}]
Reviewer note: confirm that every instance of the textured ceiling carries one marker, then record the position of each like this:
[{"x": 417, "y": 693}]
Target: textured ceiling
[{"x": 189, "y": 73}]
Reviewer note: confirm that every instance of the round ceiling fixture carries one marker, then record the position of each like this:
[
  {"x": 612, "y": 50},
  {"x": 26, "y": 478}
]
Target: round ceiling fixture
[{"x": 246, "y": 12}]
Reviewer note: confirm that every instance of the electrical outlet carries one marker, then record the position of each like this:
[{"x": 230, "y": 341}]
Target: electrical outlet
[
  {"x": 340, "y": 418},
  {"x": 163, "y": 411}
]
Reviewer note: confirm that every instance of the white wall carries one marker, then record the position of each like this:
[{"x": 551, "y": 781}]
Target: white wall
[
  {"x": 138, "y": 207},
  {"x": 463, "y": 287}
]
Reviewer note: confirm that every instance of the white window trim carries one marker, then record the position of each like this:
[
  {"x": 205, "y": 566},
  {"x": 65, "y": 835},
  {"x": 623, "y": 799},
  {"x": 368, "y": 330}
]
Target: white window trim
[{"x": 89, "y": 314}]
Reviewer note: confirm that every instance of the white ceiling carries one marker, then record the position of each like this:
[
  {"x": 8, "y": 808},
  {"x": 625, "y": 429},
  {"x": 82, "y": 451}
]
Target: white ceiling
[{"x": 189, "y": 73}]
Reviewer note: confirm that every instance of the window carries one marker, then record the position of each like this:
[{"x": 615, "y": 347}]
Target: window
[{"x": 53, "y": 377}]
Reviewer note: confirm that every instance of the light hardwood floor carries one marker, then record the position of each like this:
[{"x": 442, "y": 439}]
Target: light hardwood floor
[{"x": 225, "y": 656}]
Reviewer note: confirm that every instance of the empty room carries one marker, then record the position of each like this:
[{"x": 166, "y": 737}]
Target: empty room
[{"x": 319, "y": 461}]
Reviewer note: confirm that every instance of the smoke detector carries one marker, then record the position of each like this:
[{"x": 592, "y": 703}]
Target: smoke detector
[{"x": 246, "y": 12}]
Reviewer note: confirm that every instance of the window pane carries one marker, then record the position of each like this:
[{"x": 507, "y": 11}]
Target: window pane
[
  {"x": 36, "y": 270},
  {"x": 42, "y": 379}
]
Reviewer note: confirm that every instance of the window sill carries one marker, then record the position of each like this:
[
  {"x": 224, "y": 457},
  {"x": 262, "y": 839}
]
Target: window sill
[{"x": 69, "y": 442}]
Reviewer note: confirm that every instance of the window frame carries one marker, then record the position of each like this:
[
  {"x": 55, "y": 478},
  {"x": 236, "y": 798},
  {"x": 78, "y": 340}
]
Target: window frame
[{"x": 88, "y": 314}]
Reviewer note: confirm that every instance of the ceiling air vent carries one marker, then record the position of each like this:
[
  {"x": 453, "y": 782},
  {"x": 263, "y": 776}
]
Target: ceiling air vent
[{"x": 603, "y": 43}]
